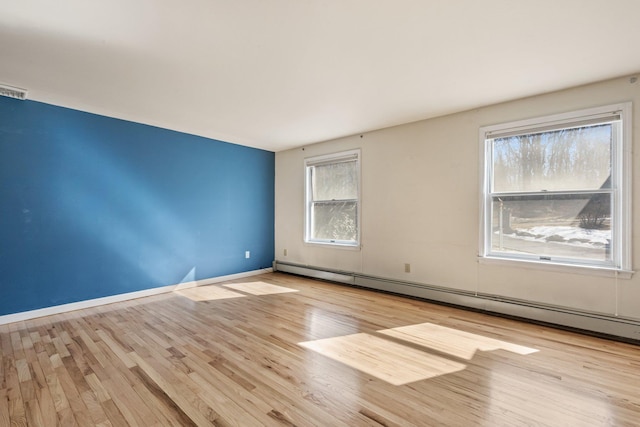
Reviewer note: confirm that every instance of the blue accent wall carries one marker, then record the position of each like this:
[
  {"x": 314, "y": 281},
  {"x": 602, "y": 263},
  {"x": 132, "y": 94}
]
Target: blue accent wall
[{"x": 92, "y": 206}]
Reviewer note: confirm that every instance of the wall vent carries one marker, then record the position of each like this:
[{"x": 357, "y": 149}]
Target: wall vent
[{"x": 13, "y": 92}]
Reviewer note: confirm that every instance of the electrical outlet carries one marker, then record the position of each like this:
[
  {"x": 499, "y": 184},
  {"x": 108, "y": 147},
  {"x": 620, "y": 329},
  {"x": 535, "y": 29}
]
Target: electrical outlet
[
  {"x": 247, "y": 254},
  {"x": 285, "y": 252},
  {"x": 407, "y": 268}
]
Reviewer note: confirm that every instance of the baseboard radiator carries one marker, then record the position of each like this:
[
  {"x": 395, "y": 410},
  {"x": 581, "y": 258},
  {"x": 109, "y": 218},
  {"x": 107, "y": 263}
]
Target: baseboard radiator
[{"x": 625, "y": 329}]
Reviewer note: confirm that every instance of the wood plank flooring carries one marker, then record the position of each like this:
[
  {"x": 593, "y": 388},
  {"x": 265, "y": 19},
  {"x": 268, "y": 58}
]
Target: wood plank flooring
[{"x": 280, "y": 350}]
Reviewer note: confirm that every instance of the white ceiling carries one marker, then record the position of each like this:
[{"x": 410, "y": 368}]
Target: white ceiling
[{"x": 277, "y": 74}]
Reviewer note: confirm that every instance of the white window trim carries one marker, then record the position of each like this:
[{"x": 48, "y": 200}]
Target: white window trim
[
  {"x": 622, "y": 156},
  {"x": 329, "y": 158}
]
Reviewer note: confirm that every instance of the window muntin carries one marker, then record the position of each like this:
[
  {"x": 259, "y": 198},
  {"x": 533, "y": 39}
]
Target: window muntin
[
  {"x": 332, "y": 199},
  {"x": 554, "y": 190}
]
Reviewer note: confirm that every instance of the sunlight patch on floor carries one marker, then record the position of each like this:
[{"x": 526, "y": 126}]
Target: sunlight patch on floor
[
  {"x": 232, "y": 290},
  {"x": 387, "y": 360},
  {"x": 208, "y": 293},
  {"x": 452, "y": 341},
  {"x": 392, "y": 361},
  {"x": 259, "y": 288}
]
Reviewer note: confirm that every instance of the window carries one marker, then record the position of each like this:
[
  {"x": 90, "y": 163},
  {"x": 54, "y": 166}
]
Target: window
[
  {"x": 332, "y": 199},
  {"x": 556, "y": 189}
]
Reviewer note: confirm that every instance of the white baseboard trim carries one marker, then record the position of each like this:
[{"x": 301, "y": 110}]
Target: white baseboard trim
[
  {"x": 57, "y": 309},
  {"x": 599, "y": 323}
]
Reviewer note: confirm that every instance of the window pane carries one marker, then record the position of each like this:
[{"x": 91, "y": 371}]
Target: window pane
[
  {"x": 335, "y": 181},
  {"x": 566, "y": 226},
  {"x": 334, "y": 221},
  {"x": 567, "y": 159}
]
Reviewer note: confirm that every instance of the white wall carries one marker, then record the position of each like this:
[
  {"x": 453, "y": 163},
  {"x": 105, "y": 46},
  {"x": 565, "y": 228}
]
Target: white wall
[{"x": 420, "y": 205}]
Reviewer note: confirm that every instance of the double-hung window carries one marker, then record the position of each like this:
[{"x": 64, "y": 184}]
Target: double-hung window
[
  {"x": 556, "y": 189},
  {"x": 333, "y": 199}
]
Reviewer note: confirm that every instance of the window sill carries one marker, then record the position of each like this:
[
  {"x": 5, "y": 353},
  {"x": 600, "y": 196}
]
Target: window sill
[
  {"x": 330, "y": 245},
  {"x": 558, "y": 267}
]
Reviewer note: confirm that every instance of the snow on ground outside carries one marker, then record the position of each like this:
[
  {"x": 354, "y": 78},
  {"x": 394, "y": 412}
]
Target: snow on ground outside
[{"x": 574, "y": 236}]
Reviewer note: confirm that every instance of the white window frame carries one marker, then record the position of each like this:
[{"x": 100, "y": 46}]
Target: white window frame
[
  {"x": 343, "y": 156},
  {"x": 621, "y": 156}
]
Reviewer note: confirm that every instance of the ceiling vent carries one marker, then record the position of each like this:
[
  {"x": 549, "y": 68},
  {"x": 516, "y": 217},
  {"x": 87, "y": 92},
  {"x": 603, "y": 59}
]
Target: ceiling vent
[{"x": 13, "y": 92}]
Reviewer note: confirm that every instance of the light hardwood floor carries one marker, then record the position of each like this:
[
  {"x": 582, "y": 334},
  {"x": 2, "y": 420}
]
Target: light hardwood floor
[{"x": 280, "y": 350}]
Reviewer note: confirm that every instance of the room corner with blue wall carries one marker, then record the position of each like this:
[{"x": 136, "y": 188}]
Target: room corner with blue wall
[{"x": 92, "y": 206}]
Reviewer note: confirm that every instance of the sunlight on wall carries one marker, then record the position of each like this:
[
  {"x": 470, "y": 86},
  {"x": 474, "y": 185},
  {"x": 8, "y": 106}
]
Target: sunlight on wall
[
  {"x": 86, "y": 194},
  {"x": 94, "y": 206},
  {"x": 190, "y": 276}
]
